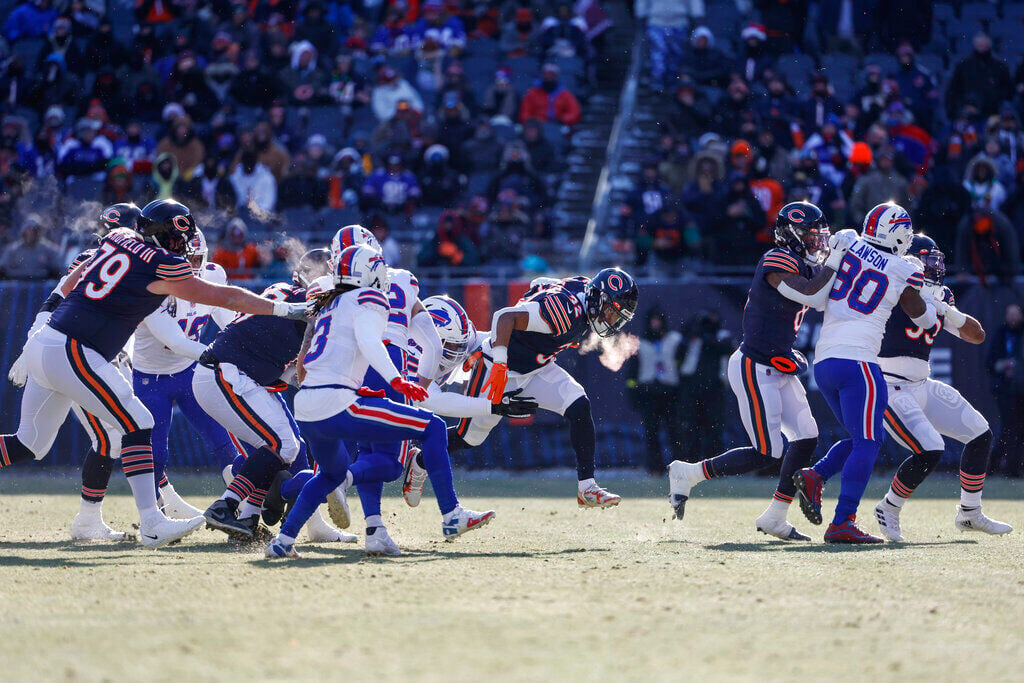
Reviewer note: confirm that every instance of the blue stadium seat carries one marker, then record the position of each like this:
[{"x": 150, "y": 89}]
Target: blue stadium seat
[
  {"x": 479, "y": 72},
  {"x": 1014, "y": 10},
  {"x": 795, "y": 68},
  {"x": 982, "y": 11},
  {"x": 330, "y": 220},
  {"x": 325, "y": 120},
  {"x": 571, "y": 71},
  {"x": 84, "y": 189},
  {"x": 29, "y": 50},
  {"x": 525, "y": 70},
  {"x": 888, "y": 62},
  {"x": 961, "y": 28},
  {"x": 405, "y": 65},
  {"x": 933, "y": 63},
  {"x": 482, "y": 48},
  {"x": 299, "y": 219},
  {"x": 942, "y": 11},
  {"x": 841, "y": 71}
]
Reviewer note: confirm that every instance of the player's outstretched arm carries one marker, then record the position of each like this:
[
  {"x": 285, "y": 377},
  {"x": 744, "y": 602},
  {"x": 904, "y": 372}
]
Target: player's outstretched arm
[
  {"x": 959, "y": 323},
  {"x": 811, "y": 292},
  {"x": 920, "y": 311},
  {"x": 226, "y": 296},
  {"x": 73, "y": 277},
  {"x": 167, "y": 331}
]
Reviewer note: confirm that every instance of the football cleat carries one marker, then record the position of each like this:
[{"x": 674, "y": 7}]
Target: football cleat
[
  {"x": 849, "y": 532},
  {"x": 93, "y": 528},
  {"x": 320, "y": 531},
  {"x": 413, "y": 479},
  {"x": 378, "y": 542},
  {"x": 809, "y": 485},
  {"x": 273, "y": 503},
  {"x": 337, "y": 507},
  {"x": 221, "y": 516},
  {"x": 276, "y": 550},
  {"x": 680, "y": 482},
  {"x": 175, "y": 507},
  {"x": 779, "y": 528},
  {"x": 596, "y": 497},
  {"x": 888, "y": 516},
  {"x": 167, "y": 531},
  {"x": 974, "y": 520},
  {"x": 462, "y": 520},
  {"x": 260, "y": 533}
]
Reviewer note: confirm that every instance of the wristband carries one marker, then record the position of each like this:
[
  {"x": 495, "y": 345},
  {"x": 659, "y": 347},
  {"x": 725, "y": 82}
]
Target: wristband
[
  {"x": 499, "y": 354},
  {"x": 955, "y": 317}
]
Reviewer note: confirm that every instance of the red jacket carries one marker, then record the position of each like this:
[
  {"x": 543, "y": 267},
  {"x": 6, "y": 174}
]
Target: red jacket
[{"x": 560, "y": 105}]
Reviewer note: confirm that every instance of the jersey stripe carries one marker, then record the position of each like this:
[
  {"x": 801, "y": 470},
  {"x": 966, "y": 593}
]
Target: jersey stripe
[
  {"x": 782, "y": 265},
  {"x": 779, "y": 254},
  {"x": 371, "y": 297},
  {"x": 557, "y": 321},
  {"x": 178, "y": 271}
]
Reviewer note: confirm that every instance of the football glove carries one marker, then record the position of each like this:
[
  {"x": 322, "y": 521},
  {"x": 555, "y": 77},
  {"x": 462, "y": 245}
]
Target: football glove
[
  {"x": 413, "y": 392},
  {"x": 19, "y": 371},
  {"x": 299, "y": 311},
  {"x": 838, "y": 245},
  {"x": 367, "y": 392},
  {"x": 514, "y": 405},
  {"x": 496, "y": 382}
]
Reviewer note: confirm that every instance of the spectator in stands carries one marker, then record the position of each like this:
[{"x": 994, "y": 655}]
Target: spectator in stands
[
  {"x": 389, "y": 247},
  {"x": 501, "y": 98},
  {"x": 550, "y": 101},
  {"x": 454, "y": 123},
  {"x": 54, "y": 85},
  {"x": 738, "y": 222},
  {"x": 303, "y": 81},
  {"x": 506, "y": 228},
  {"x": 392, "y": 188},
  {"x": 516, "y": 173},
  {"x": 702, "y": 194},
  {"x": 707, "y": 64},
  {"x": 987, "y": 244},
  {"x": 239, "y": 257},
  {"x": 543, "y": 156},
  {"x": 455, "y": 83},
  {"x": 847, "y": 26},
  {"x": 917, "y": 86},
  {"x": 981, "y": 183},
  {"x": 31, "y": 257},
  {"x": 440, "y": 183},
  {"x": 821, "y": 104},
  {"x": 667, "y": 22},
  {"x": 256, "y": 85},
  {"x": 561, "y": 34},
  {"x": 30, "y": 19},
  {"x": 319, "y": 154},
  {"x": 674, "y": 236},
  {"x": 653, "y": 389},
  {"x": 60, "y": 42},
  {"x": 692, "y": 112},
  {"x": 390, "y": 90},
  {"x": 435, "y": 21},
  {"x": 733, "y": 109},
  {"x": 136, "y": 148},
  {"x": 942, "y": 204},
  {"x": 14, "y": 83},
  {"x": 269, "y": 151},
  {"x": 882, "y": 184},
  {"x": 482, "y": 152},
  {"x": 281, "y": 264},
  {"x": 103, "y": 49},
  {"x": 214, "y": 188},
  {"x": 819, "y": 186},
  {"x": 1006, "y": 368},
  {"x": 86, "y": 154},
  {"x": 754, "y": 58},
  {"x": 643, "y": 209},
  {"x": 449, "y": 246},
  {"x": 776, "y": 161},
  {"x": 830, "y": 147},
  {"x": 184, "y": 145},
  {"x": 777, "y": 109},
  {"x": 784, "y": 22},
  {"x": 518, "y": 37},
  {"x": 255, "y": 186},
  {"x": 302, "y": 187},
  {"x": 401, "y": 133},
  {"x": 982, "y": 76},
  {"x": 187, "y": 84},
  {"x": 163, "y": 180},
  {"x": 346, "y": 178},
  {"x": 348, "y": 87},
  {"x": 40, "y": 158},
  {"x": 1009, "y": 133},
  {"x": 315, "y": 29},
  {"x": 118, "y": 186}
]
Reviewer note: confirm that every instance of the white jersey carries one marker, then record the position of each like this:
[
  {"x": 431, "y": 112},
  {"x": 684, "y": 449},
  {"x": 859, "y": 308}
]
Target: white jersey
[
  {"x": 402, "y": 297},
  {"x": 867, "y": 287},
  {"x": 440, "y": 400},
  {"x": 152, "y": 354},
  {"x": 347, "y": 339}
]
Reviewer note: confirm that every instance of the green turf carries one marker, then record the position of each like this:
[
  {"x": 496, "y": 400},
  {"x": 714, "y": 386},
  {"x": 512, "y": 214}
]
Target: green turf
[{"x": 546, "y": 592}]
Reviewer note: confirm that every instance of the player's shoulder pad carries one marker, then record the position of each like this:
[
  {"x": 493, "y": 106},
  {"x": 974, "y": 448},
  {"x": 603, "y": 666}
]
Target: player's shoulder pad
[
  {"x": 371, "y": 298},
  {"x": 215, "y": 273},
  {"x": 560, "y": 309},
  {"x": 947, "y": 296},
  {"x": 80, "y": 259},
  {"x": 171, "y": 266},
  {"x": 404, "y": 278},
  {"x": 780, "y": 261},
  {"x": 324, "y": 283}
]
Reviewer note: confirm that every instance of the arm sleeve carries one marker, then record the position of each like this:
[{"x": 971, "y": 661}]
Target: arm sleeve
[
  {"x": 928, "y": 319},
  {"x": 166, "y": 330},
  {"x": 537, "y": 322},
  {"x": 368, "y": 328},
  {"x": 423, "y": 332},
  {"x": 452, "y": 404},
  {"x": 816, "y": 301}
]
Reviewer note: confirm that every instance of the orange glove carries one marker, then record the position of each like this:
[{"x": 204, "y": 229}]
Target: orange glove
[
  {"x": 496, "y": 382},
  {"x": 413, "y": 392}
]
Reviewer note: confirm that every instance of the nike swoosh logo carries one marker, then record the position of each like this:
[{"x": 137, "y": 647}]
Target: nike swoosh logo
[{"x": 152, "y": 538}]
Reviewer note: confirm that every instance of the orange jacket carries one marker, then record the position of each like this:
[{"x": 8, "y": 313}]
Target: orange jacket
[{"x": 560, "y": 105}]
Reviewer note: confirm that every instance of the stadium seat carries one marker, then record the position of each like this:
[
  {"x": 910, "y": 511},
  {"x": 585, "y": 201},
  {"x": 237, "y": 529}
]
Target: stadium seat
[
  {"x": 405, "y": 65},
  {"x": 1014, "y": 10},
  {"x": 933, "y": 63},
  {"x": 796, "y": 69},
  {"x": 480, "y": 72},
  {"x": 981, "y": 11},
  {"x": 84, "y": 189},
  {"x": 889, "y": 63},
  {"x": 571, "y": 71},
  {"x": 525, "y": 70},
  {"x": 299, "y": 219},
  {"x": 482, "y": 48},
  {"x": 943, "y": 12},
  {"x": 326, "y": 121},
  {"x": 330, "y": 220},
  {"x": 29, "y": 50}
]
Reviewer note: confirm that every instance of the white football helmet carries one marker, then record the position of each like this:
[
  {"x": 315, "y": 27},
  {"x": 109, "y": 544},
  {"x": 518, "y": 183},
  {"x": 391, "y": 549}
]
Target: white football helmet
[
  {"x": 349, "y": 235},
  {"x": 197, "y": 251},
  {"x": 888, "y": 227},
  {"x": 361, "y": 266},
  {"x": 456, "y": 330}
]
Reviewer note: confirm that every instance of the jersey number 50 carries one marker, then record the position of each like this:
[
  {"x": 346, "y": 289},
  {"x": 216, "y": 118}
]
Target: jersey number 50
[{"x": 863, "y": 293}]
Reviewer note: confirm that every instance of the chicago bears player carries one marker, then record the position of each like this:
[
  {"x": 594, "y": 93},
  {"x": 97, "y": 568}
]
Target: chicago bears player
[
  {"x": 519, "y": 353},
  {"x": 105, "y": 440},
  {"x": 238, "y": 383},
  {"x": 332, "y": 407},
  {"x": 70, "y": 359},
  {"x": 164, "y": 357},
  {"x": 873, "y": 277},
  {"x": 922, "y": 410},
  {"x": 764, "y": 372}
]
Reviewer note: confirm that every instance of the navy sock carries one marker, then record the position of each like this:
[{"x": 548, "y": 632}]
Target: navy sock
[
  {"x": 257, "y": 473},
  {"x": 312, "y": 496},
  {"x": 455, "y": 442},
  {"x": 438, "y": 464},
  {"x": 12, "y": 450},
  {"x": 834, "y": 460},
  {"x": 974, "y": 465},
  {"x": 583, "y": 437},
  {"x": 736, "y": 461},
  {"x": 913, "y": 471},
  {"x": 96, "y": 471},
  {"x": 856, "y": 473},
  {"x": 797, "y": 456}
]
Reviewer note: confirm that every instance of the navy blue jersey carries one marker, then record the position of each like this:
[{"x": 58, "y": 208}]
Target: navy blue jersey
[
  {"x": 111, "y": 299},
  {"x": 562, "y": 310},
  {"x": 262, "y": 346},
  {"x": 905, "y": 339},
  {"x": 770, "y": 320}
]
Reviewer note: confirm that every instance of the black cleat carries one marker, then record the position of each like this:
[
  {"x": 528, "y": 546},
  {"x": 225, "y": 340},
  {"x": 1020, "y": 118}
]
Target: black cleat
[
  {"x": 221, "y": 516},
  {"x": 260, "y": 533},
  {"x": 273, "y": 503},
  {"x": 678, "y": 502}
]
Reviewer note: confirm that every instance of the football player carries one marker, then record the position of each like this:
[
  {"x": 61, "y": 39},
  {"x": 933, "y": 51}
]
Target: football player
[
  {"x": 239, "y": 383},
  {"x": 764, "y": 372},
  {"x": 922, "y": 410},
  {"x": 520, "y": 351},
  {"x": 874, "y": 277},
  {"x": 70, "y": 358},
  {"x": 333, "y": 407}
]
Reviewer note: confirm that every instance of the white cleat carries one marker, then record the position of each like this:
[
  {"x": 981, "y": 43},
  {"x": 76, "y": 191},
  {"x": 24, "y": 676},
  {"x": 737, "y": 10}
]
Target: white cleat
[
  {"x": 168, "y": 531},
  {"x": 462, "y": 520},
  {"x": 596, "y": 497},
  {"x": 337, "y": 507},
  {"x": 175, "y": 507},
  {"x": 319, "y": 530},
  {"x": 779, "y": 528},
  {"x": 413, "y": 479},
  {"x": 888, "y": 516},
  {"x": 276, "y": 550},
  {"x": 93, "y": 528},
  {"x": 378, "y": 542},
  {"x": 974, "y": 520},
  {"x": 680, "y": 481}
]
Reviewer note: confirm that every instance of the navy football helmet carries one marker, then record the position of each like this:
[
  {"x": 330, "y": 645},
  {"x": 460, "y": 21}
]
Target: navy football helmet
[
  {"x": 611, "y": 298},
  {"x": 168, "y": 224},
  {"x": 924, "y": 248},
  {"x": 801, "y": 227},
  {"x": 124, "y": 215}
]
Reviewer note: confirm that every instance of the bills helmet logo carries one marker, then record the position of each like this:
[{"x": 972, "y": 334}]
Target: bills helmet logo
[{"x": 440, "y": 316}]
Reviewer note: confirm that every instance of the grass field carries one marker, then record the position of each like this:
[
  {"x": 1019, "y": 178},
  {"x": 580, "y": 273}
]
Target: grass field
[{"x": 546, "y": 592}]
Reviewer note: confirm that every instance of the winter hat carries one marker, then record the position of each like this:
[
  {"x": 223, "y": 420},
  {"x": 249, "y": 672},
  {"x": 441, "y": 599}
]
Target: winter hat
[
  {"x": 703, "y": 32},
  {"x": 754, "y": 31}
]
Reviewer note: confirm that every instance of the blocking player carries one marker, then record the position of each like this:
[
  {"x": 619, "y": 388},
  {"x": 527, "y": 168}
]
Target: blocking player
[
  {"x": 922, "y": 410},
  {"x": 70, "y": 359},
  {"x": 764, "y": 372},
  {"x": 874, "y": 276},
  {"x": 238, "y": 382},
  {"x": 333, "y": 407},
  {"x": 520, "y": 351}
]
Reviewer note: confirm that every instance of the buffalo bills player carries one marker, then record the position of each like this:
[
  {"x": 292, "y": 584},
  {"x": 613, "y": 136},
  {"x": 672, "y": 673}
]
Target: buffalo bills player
[
  {"x": 333, "y": 408},
  {"x": 764, "y": 372},
  {"x": 873, "y": 277},
  {"x": 239, "y": 383},
  {"x": 70, "y": 359},
  {"x": 922, "y": 410},
  {"x": 520, "y": 351}
]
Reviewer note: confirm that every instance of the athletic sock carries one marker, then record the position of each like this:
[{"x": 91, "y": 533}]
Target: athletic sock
[
  {"x": 736, "y": 461},
  {"x": 910, "y": 474},
  {"x": 137, "y": 463},
  {"x": 583, "y": 436},
  {"x": 373, "y": 521},
  {"x": 797, "y": 456},
  {"x": 13, "y": 451},
  {"x": 438, "y": 464},
  {"x": 855, "y": 476},
  {"x": 96, "y": 471},
  {"x": 88, "y": 508},
  {"x": 248, "y": 509},
  {"x": 256, "y": 474},
  {"x": 973, "y": 465},
  {"x": 834, "y": 460},
  {"x": 778, "y": 507}
]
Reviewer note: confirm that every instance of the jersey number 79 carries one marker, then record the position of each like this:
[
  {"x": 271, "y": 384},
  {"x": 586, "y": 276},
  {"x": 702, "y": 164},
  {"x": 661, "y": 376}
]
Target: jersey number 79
[{"x": 109, "y": 268}]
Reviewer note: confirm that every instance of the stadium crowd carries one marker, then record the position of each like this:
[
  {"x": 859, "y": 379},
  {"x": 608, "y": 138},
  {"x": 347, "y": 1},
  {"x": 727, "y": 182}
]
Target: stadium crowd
[
  {"x": 448, "y": 120},
  {"x": 846, "y": 104}
]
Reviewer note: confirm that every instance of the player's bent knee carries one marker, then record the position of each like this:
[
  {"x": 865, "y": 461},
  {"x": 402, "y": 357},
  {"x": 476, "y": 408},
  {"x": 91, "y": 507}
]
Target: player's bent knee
[{"x": 579, "y": 409}]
